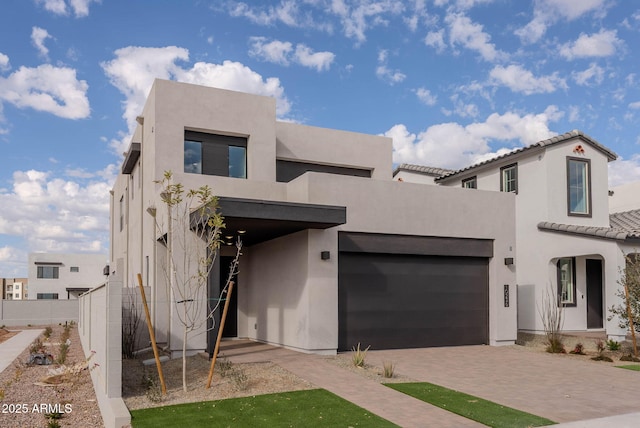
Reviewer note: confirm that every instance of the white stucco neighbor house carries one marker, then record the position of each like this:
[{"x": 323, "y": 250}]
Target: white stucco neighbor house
[
  {"x": 64, "y": 276},
  {"x": 567, "y": 243},
  {"x": 335, "y": 253}
]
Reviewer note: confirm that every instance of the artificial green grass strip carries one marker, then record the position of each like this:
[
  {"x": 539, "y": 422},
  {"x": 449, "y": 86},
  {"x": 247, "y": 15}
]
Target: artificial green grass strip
[
  {"x": 483, "y": 411},
  {"x": 635, "y": 367},
  {"x": 311, "y": 408}
]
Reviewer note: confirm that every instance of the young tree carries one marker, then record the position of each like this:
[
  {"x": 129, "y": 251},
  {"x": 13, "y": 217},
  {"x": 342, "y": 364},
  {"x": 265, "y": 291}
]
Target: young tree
[
  {"x": 628, "y": 313},
  {"x": 193, "y": 230},
  {"x": 551, "y": 311}
]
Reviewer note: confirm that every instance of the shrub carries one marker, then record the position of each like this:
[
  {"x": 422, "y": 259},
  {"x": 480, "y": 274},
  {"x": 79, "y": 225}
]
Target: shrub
[
  {"x": 62, "y": 356},
  {"x": 47, "y": 332},
  {"x": 612, "y": 345},
  {"x": 578, "y": 349},
  {"x": 630, "y": 357},
  {"x": 359, "y": 355},
  {"x": 600, "y": 346},
  {"x": 36, "y": 346},
  {"x": 388, "y": 368}
]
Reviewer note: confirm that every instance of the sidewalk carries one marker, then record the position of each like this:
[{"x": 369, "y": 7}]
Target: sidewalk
[{"x": 13, "y": 347}]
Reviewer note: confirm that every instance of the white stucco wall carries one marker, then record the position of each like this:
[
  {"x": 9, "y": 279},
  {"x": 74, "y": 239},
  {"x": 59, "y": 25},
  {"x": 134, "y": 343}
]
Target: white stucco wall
[
  {"x": 625, "y": 197},
  {"x": 89, "y": 275}
]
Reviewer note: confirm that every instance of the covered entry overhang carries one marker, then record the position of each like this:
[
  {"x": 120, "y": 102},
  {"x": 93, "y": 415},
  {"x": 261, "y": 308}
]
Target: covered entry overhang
[{"x": 258, "y": 221}]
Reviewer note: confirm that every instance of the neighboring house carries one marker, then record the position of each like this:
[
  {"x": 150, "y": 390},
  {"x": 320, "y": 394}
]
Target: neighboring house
[
  {"x": 625, "y": 197},
  {"x": 567, "y": 245},
  {"x": 14, "y": 288},
  {"x": 418, "y": 173},
  {"x": 335, "y": 253},
  {"x": 64, "y": 276}
]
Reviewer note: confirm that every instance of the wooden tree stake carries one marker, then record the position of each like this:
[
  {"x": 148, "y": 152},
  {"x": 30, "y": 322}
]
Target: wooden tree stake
[
  {"x": 222, "y": 320},
  {"x": 152, "y": 336}
]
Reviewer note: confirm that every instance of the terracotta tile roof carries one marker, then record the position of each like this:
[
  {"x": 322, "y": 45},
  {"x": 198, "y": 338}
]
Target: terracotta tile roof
[
  {"x": 539, "y": 145},
  {"x": 624, "y": 226},
  {"x": 427, "y": 170}
]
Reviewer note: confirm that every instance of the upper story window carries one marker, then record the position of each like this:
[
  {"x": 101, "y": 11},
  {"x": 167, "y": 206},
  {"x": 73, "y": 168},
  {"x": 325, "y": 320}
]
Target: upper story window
[
  {"x": 509, "y": 178},
  {"x": 470, "y": 183},
  {"x": 47, "y": 272},
  {"x": 567, "y": 282},
  {"x": 121, "y": 209},
  {"x": 579, "y": 186},
  {"x": 74, "y": 269},
  {"x": 213, "y": 154}
]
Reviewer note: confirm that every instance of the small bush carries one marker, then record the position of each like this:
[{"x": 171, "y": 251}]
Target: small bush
[
  {"x": 36, "y": 346},
  {"x": 578, "y": 349},
  {"x": 62, "y": 356},
  {"x": 555, "y": 345},
  {"x": 239, "y": 378},
  {"x": 225, "y": 367},
  {"x": 630, "y": 357},
  {"x": 388, "y": 368},
  {"x": 602, "y": 358},
  {"x": 612, "y": 345},
  {"x": 359, "y": 355},
  {"x": 47, "y": 332},
  {"x": 600, "y": 346},
  {"x": 150, "y": 383}
]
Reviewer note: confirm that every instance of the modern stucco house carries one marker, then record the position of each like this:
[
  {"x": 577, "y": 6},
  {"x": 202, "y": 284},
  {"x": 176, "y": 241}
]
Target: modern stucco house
[
  {"x": 566, "y": 240},
  {"x": 64, "y": 276},
  {"x": 335, "y": 253}
]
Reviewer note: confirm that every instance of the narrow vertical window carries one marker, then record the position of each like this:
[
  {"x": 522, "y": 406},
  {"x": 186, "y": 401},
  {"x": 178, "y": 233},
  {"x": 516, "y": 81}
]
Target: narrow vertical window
[
  {"x": 566, "y": 282},
  {"x": 193, "y": 157},
  {"x": 237, "y": 162},
  {"x": 509, "y": 178},
  {"x": 121, "y": 209},
  {"x": 578, "y": 187}
]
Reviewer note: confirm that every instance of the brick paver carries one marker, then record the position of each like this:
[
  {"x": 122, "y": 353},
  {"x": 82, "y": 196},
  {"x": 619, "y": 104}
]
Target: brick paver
[{"x": 557, "y": 387}]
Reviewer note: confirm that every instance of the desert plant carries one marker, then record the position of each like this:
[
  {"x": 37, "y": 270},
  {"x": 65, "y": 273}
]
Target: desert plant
[
  {"x": 130, "y": 323},
  {"x": 152, "y": 391},
  {"x": 388, "y": 368},
  {"x": 62, "y": 353},
  {"x": 552, "y": 321},
  {"x": 53, "y": 419},
  {"x": 359, "y": 355},
  {"x": 628, "y": 313},
  {"x": 239, "y": 378},
  {"x": 36, "y": 346},
  {"x": 578, "y": 349},
  {"x": 600, "y": 346},
  {"x": 629, "y": 357},
  {"x": 224, "y": 366},
  {"x": 612, "y": 345},
  {"x": 47, "y": 332}
]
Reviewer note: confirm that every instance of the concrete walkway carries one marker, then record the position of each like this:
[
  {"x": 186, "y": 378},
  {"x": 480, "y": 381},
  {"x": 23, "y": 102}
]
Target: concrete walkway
[
  {"x": 10, "y": 349},
  {"x": 556, "y": 387}
]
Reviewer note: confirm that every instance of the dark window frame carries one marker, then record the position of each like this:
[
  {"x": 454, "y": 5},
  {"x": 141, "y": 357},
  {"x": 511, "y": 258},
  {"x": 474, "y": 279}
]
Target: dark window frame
[
  {"x": 215, "y": 153},
  {"x": 574, "y": 303},
  {"x": 502, "y": 183},
  {"x": 74, "y": 269},
  {"x": 47, "y": 296},
  {"x": 55, "y": 272},
  {"x": 471, "y": 180},
  {"x": 587, "y": 163}
]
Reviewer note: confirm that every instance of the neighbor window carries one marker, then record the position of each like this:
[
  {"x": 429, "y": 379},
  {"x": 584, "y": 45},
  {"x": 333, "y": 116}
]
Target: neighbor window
[
  {"x": 470, "y": 183},
  {"x": 578, "y": 186},
  {"x": 47, "y": 296},
  {"x": 74, "y": 269},
  {"x": 567, "y": 281},
  {"x": 213, "y": 154},
  {"x": 121, "y": 208},
  {"x": 509, "y": 178},
  {"x": 47, "y": 272}
]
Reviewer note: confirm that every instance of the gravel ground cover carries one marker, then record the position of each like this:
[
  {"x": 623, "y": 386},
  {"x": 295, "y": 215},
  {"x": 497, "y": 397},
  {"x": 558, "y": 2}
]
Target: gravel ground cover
[{"x": 25, "y": 399}]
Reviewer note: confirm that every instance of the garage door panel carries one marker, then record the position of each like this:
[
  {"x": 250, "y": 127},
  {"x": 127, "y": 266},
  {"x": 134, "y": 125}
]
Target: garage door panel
[{"x": 398, "y": 301}]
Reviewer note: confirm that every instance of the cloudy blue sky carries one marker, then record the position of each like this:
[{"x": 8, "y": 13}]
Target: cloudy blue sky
[{"x": 451, "y": 81}]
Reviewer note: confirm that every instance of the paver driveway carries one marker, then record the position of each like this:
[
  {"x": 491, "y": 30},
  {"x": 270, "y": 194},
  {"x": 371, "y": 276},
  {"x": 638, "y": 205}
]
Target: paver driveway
[{"x": 553, "y": 386}]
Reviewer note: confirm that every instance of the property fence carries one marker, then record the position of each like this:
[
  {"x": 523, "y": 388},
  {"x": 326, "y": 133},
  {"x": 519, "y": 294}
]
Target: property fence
[
  {"x": 100, "y": 328},
  {"x": 37, "y": 312}
]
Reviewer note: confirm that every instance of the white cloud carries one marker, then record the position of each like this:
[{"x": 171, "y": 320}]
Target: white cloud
[
  {"x": 4, "y": 62},
  {"x": 80, "y": 8},
  {"x": 283, "y": 53},
  {"x": 51, "y": 213},
  {"x": 451, "y": 145},
  {"x": 602, "y": 44},
  {"x": 470, "y": 35},
  {"x": 358, "y": 18},
  {"x": 548, "y": 12},
  {"x": 306, "y": 57},
  {"x": 384, "y": 72},
  {"x": 275, "y": 51},
  {"x": 521, "y": 80},
  {"x": 623, "y": 171},
  {"x": 425, "y": 96},
  {"x": 594, "y": 75},
  {"x": 38, "y": 37},
  {"x": 135, "y": 68},
  {"x": 435, "y": 39},
  {"x": 47, "y": 88},
  {"x": 635, "y": 105},
  {"x": 286, "y": 12}
]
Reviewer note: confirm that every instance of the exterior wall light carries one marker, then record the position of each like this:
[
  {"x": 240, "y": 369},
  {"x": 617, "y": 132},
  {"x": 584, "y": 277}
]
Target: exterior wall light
[
  {"x": 325, "y": 255},
  {"x": 508, "y": 261}
]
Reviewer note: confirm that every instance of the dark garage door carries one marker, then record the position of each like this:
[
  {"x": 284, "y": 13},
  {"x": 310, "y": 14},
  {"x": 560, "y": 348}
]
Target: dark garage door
[{"x": 410, "y": 301}]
